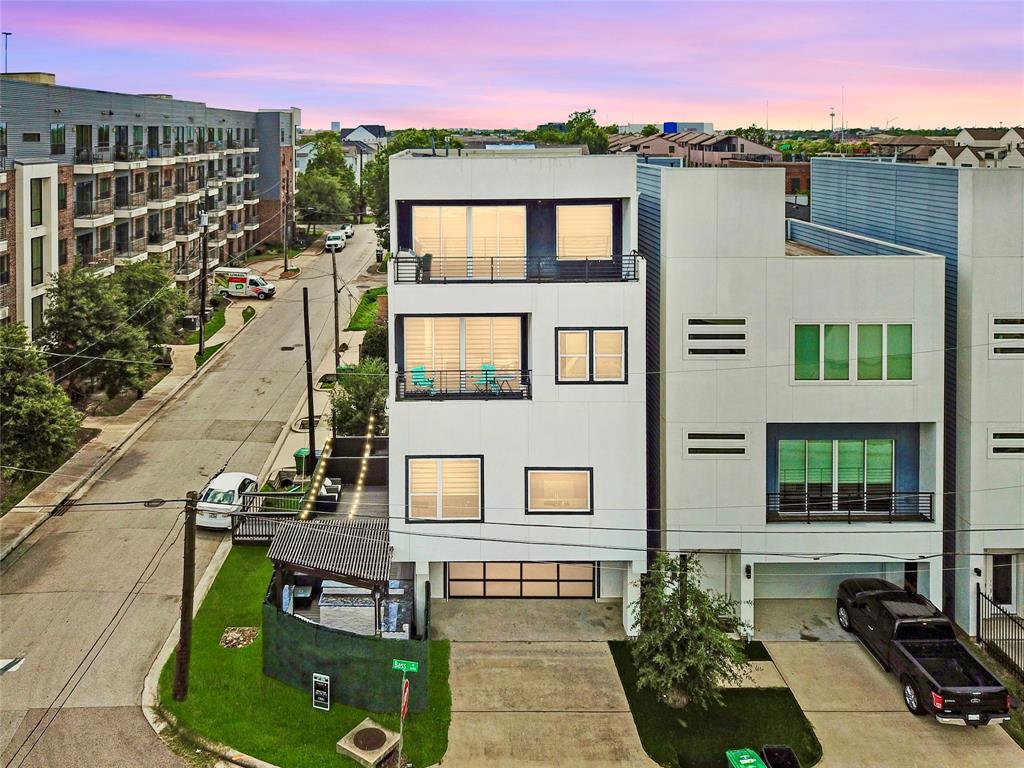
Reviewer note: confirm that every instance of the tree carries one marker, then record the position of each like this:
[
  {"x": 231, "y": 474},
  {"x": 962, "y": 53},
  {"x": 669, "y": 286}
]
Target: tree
[
  {"x": 375, "y": 343},
  {"x": 38, "y": 425},
  {"x": 683, "y": 652},
  {"x": 649, "y": 130},
  {"x": 152, "y": 299},
  {"x": 320, "y": 196},
  {"x": 755, "y": 134},
  {"x": 88, "y": 328},
  {"x": 582, "y": 128},
  {"x": 361, "y": 391}
]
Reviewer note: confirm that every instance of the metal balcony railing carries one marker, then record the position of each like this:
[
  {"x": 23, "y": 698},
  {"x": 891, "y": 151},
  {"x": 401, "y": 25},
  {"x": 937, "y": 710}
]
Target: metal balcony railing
[
  {"x": 129, "y": 199},
  {"x": 94, "y": 207},
  {"x": 160, "y": 150},
  {"x": 213, "y": 146},
  {"x": 90, "y": 155},
  {"x": 216, "y": 205},
  {"x": 129, "y": 152},
  {"x": 234, "y": 172},
  {"x": 162, "y": 192},
  {"x": 96, "y": 257},
  {"x": 428, "y": 268},
  {"x": 252, "y": 143},
  {"x": 864, "y": 507},
  {"x": 186, "y": 187},
  {"x": 3, "y": 226},
  {"x": 126, "y": 248},
  {"x": 187, "y": 265},
  {"x": 184, "y": 147},
  {"x": 186, "y": 227},
  {"x": 485, "y": 383},
  {"x": 160, "y": 236},
  {"x": 7, "y": 291},
  {"x": 234, "y": 144}
]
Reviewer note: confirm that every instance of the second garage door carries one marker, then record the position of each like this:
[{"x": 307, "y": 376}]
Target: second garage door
[{"x": 521, "y": 579}]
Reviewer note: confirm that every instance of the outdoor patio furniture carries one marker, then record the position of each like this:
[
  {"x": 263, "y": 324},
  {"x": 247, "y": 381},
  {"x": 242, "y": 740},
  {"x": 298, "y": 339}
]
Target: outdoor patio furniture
[
  {"x": 487, "y": 381},
  {"x": 420, "y": 378}
]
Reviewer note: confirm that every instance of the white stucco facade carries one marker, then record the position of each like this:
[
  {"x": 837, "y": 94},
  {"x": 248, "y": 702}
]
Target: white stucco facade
[{"x": 28, "y": 290}]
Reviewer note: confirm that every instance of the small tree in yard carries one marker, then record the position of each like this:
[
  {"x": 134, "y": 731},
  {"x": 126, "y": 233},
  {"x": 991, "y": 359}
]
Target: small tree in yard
[
  {"x": 375, "y": 343},
  {"x": 684, "y": 652},
  {"x": 361, "y": 391},
  {"x": 152, "y": 300}
]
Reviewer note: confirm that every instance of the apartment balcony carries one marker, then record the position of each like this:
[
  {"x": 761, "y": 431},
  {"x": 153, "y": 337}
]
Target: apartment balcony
[
  {"x": 160, "y": 197},
  {"x": 234, "y": 174},
  {"x": 251, "y": 225},
  {"x": 427, "y": 268},
  {"x": 129, "y": 156},
  {"x": 90, "y": 160},
  {"x": 129, "y": 204},
  {"x": 486, "y": 383},
  {"x": 233, "y": 144},
  {"x": 215, "y": 206},
  {"x": 251, "y": 171},
  {"x": 252, "y": 145},
  {"x": 235, "y": 203},
  {"x": 251, "y": 196},
  {"x": 186, "y": 230},
  {"x": 96, "y": 257},
  {"x": 130, "y": 251},
  {"x": 184, "y": 148},
  {"x": 3, "y": 235},
  {"x": 94, "y": 212},
  {"x": 864, "y": 507},
  {"x": 186, "y": 191},
  {"x": 188, "y": 269},
  {"x": 7, "y": 295},
  {"x": 161, "y": 240}
]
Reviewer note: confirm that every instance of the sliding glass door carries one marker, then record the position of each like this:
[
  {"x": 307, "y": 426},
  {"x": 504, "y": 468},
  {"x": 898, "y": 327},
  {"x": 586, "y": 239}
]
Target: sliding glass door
[{"x": 836, "y": 475}]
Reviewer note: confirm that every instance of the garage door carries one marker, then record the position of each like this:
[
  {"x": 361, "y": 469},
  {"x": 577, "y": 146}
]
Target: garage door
[{"x": 521, "y": 579}]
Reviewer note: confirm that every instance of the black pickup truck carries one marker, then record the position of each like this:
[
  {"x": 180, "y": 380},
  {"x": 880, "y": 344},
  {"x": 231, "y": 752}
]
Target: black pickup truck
[{"x": 914, "y": 641}]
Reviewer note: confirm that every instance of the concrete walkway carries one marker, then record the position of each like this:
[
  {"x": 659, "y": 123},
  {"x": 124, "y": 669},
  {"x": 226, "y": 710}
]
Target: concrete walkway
[{"x": 858, "y": 714}]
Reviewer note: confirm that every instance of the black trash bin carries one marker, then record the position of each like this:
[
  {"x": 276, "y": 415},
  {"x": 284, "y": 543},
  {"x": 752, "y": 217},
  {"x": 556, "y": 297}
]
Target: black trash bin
[{"x": 779, "y": 756}]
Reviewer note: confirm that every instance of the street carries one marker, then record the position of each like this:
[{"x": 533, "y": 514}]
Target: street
[{"x": 91, "y": 596}]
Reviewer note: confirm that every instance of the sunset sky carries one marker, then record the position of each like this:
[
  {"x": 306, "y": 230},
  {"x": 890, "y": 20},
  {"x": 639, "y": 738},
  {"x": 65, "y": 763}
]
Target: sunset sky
[{"x": 481, "y": 64}]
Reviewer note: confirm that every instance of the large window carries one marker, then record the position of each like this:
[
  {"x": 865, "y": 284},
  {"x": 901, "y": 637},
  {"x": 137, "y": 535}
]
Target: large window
[
  {"x": 5, "y": 268},
  {"x": 103, "y": 136},
  {"x": 583, "y": 231},
  {"x": 591, "y": 355},
  {"x": 57, "y": 138},
  {"x": 37, "y": 315},
  {"x": 821, "y": 352},
  {"x": 444, "y": 488},
  {"x": 482, "y": 242},
  {"x": 559, "y": 491},
  {"x": 37, "y": 260},
  {"x": 36, "y": 202},
  {"x": 836, "y": 474},
  {"x": 455, "y": 353}
]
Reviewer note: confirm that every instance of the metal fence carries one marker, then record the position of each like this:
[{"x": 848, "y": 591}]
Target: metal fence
[
  {"x": 260, "y": 515},
  {"x": 1000, "y": 632}
]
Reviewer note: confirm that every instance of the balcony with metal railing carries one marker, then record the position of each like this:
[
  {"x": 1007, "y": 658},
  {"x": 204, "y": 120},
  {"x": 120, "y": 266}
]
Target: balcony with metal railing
[
  {"x": 130, "y": 248},
  {"x": 868, "y": 506},
  {"x": 129, "y": 153},
  {"x": 484, "y": 383},
  {"x": 187, "y": 227},
  {"x": 165, "y": 150},
  {"x": 94, "y": 257},
  {"x": 3, "y": 228},
  {"x": 233, "y": 144},
  {"x": 183, "y": 148},
  {"x": 234, "y": 173},
  {"x": 7, "y": 294},
  {"x": 160, "y": 236},
  {"x": 93, "y": 207},
  {"x": 125, "y": 200},
  {"x": 458, "y": 267},
  {"x": 92, "y": 155},
  {"x": 186, "y": 187},
  {"x": 252, "y": 143}
]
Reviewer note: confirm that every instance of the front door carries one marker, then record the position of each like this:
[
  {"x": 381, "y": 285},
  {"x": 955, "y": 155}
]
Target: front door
[{"x": 1003, "y": 582}]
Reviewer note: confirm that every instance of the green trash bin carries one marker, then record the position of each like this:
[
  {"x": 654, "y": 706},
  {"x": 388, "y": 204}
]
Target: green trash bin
[
  {"x": 301, "y": 459},
  {"x": 744, "y": 758}
]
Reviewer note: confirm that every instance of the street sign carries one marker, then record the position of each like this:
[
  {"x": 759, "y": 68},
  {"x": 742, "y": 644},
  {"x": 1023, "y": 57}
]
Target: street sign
[
  {"x": 321, "y": 692},
  {"x": 405, "y": 698},
  {"x": 405, "y": 666}
]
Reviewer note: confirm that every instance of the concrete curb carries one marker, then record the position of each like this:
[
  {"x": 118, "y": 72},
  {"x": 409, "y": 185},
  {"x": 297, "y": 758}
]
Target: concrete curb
[{"x": 82, "y": 486}]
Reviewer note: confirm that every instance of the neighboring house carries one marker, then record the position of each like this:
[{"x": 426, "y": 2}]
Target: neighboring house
[
  {"x": 695, "y": 148},
  {"x": 903, "y": 147},
  {"x": 960, "y": 156},
  {"x": 516, "y": 406},
  {"x": 304, "y": 153},
  {"x": 374, "y": 135},
  {"x": 801, "y": 427},
  {"x": 1013, "y": 138},
  {"x": 980, "y": 137},
  {"x": 357, "y": 155},
  {"x": 973, "y": 217},
  {"x": 96, "y": 179}
]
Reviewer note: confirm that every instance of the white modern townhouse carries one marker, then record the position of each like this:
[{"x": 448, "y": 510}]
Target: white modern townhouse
[
  {"x": 516, "y": 308},
  {"x": 800, "y": 434}
]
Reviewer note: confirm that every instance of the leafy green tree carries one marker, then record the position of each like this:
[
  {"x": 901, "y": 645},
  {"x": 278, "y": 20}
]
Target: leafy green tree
[
  {"x": 683, "y": 652},
  {"x": 361, "y": 391},
  {"x": 582, "y": 128},
  {"x": 755, "y": 134},
  {"x": 320, "y": 196},
  {"x": 38, "y": 425},
  {"x": 375, "y": 342},
  {"x": 153, "y": 300},
  {"x": 88, "y": 328},
  {"x": 649, "y": 130}
]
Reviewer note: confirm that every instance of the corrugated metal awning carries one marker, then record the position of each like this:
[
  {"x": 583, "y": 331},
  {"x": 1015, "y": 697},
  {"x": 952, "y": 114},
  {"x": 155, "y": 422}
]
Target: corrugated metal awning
[{"x": 357, "y": 548}]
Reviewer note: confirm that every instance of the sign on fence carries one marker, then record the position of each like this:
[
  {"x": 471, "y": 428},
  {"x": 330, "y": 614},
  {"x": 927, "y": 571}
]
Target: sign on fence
[{"x": 321, "y": 692}]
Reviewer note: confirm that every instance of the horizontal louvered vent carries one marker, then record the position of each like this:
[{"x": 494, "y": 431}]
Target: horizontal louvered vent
[
  {"x": 1006, "y": 443},
  {"x": 1007, "y": 336},
  {"x": 718, "y": 444},
  {"x": 715, "y": 337}
]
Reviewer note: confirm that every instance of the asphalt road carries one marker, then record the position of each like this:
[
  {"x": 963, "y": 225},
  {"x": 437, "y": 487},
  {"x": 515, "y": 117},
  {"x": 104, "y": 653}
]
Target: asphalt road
[{"x": 92, "y": 595}]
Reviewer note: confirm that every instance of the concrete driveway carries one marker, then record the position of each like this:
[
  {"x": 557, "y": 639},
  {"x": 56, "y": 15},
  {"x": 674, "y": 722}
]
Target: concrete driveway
[
  {"x": 858, "y": 714},
  {"x": 534, "y": 685}
]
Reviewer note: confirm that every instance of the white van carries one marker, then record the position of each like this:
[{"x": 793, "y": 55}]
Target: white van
[
  {"x": 335, "y": 241},
  {"x": 235, "y": 282}
]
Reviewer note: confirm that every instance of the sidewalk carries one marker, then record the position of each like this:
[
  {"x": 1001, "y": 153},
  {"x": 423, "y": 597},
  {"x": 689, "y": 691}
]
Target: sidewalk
[{"x": 74, "y": 477}]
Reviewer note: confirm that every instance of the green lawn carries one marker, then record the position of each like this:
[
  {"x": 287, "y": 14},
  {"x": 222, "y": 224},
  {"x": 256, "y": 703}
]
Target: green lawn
[
  {"x": 366, "y": 313},
  {"x": 215, "y": 324},
  {"x": 248, "y": 314},
  {"x": 695, "y": 738},
  {"x": 231, "y": 701},
  {"x": 210, "y": 350}
]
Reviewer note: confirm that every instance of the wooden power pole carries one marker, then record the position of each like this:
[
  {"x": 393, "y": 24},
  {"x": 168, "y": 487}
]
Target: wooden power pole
[{"x": 188, "y": 577}]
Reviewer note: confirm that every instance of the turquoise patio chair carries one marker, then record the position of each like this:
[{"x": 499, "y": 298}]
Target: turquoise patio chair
[
  {"x": 420, "y": 378},
  {"x": 487, "y": 381}
]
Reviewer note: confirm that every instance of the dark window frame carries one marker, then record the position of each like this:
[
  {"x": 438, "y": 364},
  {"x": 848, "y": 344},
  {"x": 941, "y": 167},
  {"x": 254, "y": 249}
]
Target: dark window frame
[
  {"x": 548, "y": 513},
  {"x": 36, "y": 268},
  {"x": 34, "y": 186}
]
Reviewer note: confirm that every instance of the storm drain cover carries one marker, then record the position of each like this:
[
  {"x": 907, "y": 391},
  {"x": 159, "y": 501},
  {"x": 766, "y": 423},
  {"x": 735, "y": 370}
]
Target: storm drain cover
[
  {"x": 288, "y": 348},
  {"x": 369, "y": 739}
]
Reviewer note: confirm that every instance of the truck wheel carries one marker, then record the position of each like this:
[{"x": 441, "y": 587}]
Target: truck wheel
[
  {"x": 225, "y": 294},
  {"x": 843, "y": 616},
  {"x": 261, "y": 295},
  {"x": 911, "y": 697}
]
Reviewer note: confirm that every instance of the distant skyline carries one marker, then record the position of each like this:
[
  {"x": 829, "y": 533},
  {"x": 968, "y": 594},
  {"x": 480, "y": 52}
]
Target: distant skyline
[{"x": 514, "y": 65}]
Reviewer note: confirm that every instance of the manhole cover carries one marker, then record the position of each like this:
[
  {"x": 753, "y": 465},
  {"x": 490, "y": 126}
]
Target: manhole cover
[
  {"x": 153, "y": 503},
  {"x": 369, "y": 739},
  {"x": 287, "y": 348}
]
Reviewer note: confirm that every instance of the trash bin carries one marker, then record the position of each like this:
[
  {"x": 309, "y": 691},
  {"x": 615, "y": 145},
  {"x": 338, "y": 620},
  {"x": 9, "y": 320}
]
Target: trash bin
[
  {"x": 744, "y": 758},
  {"x": 380, "y": 255},
  {"x": 779, "y": 756},
  {"x": 301, "y": 459}
]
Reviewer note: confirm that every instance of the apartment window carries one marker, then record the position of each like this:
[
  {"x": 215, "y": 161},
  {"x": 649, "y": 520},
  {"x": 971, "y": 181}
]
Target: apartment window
[
  {"x": 166, "y": 134},
  {"x": 103, "y": 136},
  {"x": 104, "y": 187},
  {"x": 821, "y": 348},
  {"x": 57, "y": 138},
  {"x": 836, "y": 473},
  {"x": 714, "y": 444},
  {"x": 4, "y": 211},
  {"x": 31, "y": 138},
  {"x": 885, "y": 352},
  {"x": 138, "y": 135},
  {"x": 471, "y": 242},
  {"x": 62, "y": 252},
  {"x": 444, "y": 488},
  {"x": 35, "y": 202},
  {"x": 715, "y": 337},
  {"x": 5, "y": 268},
  {"x": 62, "y": 196},
  {"x": 454, "y": 352},
  {"x": 37, "y": 316},
  {"x": 37, "y": 260},
  {"x": 559, "y": 491},
  {"x": 591, "y": 355},
  {"x": 3, "y": 137},
  {"x": 1007, "y": 336},
  {"x": 583, "y": 232},
  {"x": 1006, "y": 443}
]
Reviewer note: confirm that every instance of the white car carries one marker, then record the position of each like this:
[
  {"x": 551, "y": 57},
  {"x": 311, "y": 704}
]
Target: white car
[
  {"x": 335, "y": 241},
  {"x": 349, "y": 230},
  {"x": 222, "y": 496}
]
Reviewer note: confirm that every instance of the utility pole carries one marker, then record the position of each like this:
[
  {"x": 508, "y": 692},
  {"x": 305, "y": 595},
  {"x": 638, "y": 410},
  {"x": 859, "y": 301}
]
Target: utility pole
[
  {"x": 204, "y": 222},
  {"x": 309, "y": 380},
  {"x": 188, "y": 575},
  {"x": 6, "y": 36},
  {"x": 284, "y": 224},
  {"x": 337, "y": 328}
]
